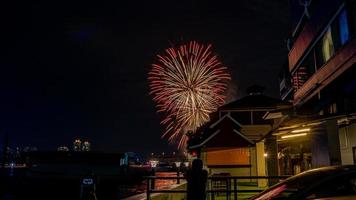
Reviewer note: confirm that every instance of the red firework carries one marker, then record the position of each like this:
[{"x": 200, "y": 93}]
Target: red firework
[{"x": 187, "y": 83}]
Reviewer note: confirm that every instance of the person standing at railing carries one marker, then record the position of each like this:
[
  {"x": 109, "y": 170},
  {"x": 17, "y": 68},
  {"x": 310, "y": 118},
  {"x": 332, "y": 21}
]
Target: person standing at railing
[{"x": 197, "y": 179}]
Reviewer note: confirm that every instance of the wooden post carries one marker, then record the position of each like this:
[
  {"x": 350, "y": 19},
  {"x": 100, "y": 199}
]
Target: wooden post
[
  {"x": 228, "y": 188},
  {"x": 235, "y": 189}
]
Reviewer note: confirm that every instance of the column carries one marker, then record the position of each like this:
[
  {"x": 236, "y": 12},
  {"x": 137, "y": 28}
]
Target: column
[
  {"x": 325, "y": 145},
  {"x": 272, "y": 158},
  {"x": 261, "y": 163}
]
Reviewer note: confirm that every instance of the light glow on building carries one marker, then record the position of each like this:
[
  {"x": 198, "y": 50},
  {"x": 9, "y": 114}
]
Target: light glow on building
[
  {"x": 301, "y": 130},
  {"x": 293, "y": 135}
]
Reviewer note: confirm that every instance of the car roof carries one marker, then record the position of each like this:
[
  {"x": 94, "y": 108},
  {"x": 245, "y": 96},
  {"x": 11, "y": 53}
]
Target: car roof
[
  {"x": 349, "y": 197},
  {"x": 324, "y": 171},
  {"x": 315, "y": 175}
]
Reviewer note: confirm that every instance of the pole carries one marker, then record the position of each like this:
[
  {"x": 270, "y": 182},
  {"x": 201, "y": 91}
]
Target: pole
[
  {"x": 153, "y": 179},
  {"x": 235, "y": 189},
  {"x": 178, "y": 172},
  {"x": 227, "y": 189},
  {"x": 148, "y": 189}
]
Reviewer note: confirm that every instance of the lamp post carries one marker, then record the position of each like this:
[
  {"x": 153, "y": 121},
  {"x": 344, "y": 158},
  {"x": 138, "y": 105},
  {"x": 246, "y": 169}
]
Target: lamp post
[
  {"x": 178, "y": 170},
  {"x": 153, "y": 164}
]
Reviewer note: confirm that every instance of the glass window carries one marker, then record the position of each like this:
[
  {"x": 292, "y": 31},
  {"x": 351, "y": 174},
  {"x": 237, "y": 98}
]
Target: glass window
[
  {"x": 304, "y": 71},
  {"x": 352, "y": 12},
  {"x": 344, "y": 185},
  {"x": 344, "y": 27},
  {"x": 300, "y": 76},
  {"x": 327, "y": 46},
  {"x": 291, "y": 186},
  {"x": 313, "y": 185}
]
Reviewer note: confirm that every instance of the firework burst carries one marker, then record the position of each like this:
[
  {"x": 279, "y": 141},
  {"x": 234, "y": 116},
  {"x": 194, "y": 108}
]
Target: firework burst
[{"x": 187, "y": 83}]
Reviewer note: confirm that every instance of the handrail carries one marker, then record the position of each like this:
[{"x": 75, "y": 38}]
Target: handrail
[
  {"x": 151, "y": 184},
  {"x": 221, "y": 177}
]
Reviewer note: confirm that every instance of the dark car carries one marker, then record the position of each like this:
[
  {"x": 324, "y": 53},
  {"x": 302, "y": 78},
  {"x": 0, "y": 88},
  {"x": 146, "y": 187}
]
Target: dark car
[{"x": 337, "y": 182}]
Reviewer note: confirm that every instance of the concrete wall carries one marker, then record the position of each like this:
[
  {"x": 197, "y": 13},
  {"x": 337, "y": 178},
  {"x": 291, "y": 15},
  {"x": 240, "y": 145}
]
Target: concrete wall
[
  {"x": 347, "y": 136},
  {"x": 241, "y": 171}
]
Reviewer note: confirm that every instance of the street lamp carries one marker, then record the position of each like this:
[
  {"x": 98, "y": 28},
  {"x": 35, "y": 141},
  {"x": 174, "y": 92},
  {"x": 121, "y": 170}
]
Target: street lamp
[
  {"x": 153, "y": 164},
  {"x": 178, "y": 170}
]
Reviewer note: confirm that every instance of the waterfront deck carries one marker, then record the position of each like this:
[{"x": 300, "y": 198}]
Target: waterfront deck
[
  {"x": 182, "y": 196},
  {"x": 227, "y": 187}
]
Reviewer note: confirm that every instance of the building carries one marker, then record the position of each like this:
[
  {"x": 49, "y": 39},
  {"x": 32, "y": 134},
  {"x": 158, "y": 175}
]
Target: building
[
  {"x": 236, "y": 140},
  {"x": 167, "y": 161},
  {"x": 320, "y": 80},
  {"x": 77, "y": 145},
  {"x": 86, "y": 146},
  {"x": 62, "y": 148}
]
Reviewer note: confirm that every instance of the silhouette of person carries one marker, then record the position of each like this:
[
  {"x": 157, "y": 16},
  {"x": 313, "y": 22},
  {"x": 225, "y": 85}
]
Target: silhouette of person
[{"x": 196, "y": 178}]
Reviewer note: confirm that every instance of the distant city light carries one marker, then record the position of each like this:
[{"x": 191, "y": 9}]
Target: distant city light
[
  {"x": 77, "y": 145},
  {"x": 86, "y": 146},
  {"x": 62, "y": 148},
  {"x": 186, "y": 164},
  {"x": 12, "y": 165},
  {"x": 153, "y": 163},
  {"x": 177, "y": 164}
]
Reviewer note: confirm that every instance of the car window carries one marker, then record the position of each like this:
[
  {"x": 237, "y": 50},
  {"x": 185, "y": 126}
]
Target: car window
[{"x": 344, "y": 185}]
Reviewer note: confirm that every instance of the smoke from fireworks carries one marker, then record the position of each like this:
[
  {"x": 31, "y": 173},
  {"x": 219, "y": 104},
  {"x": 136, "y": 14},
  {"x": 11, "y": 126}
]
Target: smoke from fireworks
[{"x": 187, "y": 83}]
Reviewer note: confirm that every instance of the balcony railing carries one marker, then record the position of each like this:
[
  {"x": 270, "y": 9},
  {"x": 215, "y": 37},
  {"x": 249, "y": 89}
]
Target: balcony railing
[{"x": 217, "y": 186}]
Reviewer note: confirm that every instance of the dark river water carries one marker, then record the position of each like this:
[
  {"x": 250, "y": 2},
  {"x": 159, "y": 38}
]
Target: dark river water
[{"x": 16, "y": 184}]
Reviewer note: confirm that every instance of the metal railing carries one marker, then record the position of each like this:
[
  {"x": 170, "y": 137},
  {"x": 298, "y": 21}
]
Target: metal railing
[{"x": 229, "y": 185}]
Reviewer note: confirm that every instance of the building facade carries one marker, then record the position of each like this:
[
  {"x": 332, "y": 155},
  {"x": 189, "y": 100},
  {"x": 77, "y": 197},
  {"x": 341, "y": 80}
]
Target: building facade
[
  {"x": 320, "y": 80},
  {"x": 235, "y": 142}
]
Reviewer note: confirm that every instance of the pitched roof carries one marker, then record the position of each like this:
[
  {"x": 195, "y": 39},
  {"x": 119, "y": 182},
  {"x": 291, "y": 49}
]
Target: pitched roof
[{"x": 225, "y": 125}]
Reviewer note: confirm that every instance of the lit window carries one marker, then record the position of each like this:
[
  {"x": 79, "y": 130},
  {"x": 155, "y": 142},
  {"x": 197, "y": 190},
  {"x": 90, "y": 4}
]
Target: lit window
[
  {"x": 327, "y": 46},
  {"x": 344, "y": 28}
]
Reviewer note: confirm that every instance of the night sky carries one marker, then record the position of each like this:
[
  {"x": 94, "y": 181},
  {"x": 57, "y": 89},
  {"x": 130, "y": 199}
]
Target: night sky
[{"x": 73, "y": 70}]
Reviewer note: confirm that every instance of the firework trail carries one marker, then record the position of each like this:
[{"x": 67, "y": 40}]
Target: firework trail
[{"x": 187, "y": 83}]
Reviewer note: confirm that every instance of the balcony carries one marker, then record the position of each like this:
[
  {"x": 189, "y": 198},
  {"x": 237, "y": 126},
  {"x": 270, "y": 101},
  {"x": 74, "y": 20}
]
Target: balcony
[{"x": 343, "y": 59}]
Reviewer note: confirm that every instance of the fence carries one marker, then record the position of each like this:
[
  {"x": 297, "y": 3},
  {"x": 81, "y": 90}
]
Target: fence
[{"x": 217, "y": 185}]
